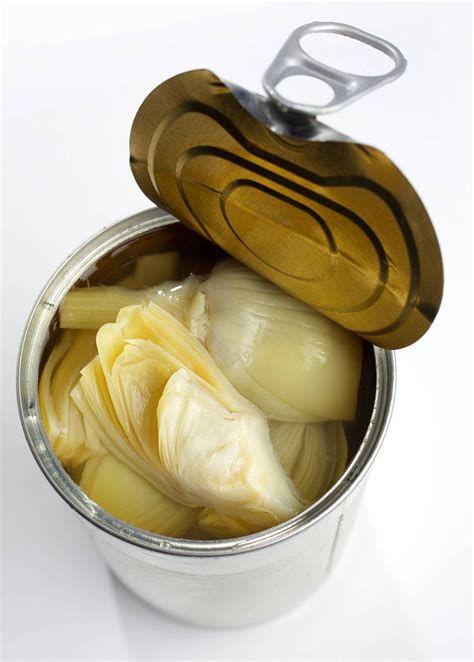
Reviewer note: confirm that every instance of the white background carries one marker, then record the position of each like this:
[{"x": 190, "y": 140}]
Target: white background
[{"x": 75, "y": 75}]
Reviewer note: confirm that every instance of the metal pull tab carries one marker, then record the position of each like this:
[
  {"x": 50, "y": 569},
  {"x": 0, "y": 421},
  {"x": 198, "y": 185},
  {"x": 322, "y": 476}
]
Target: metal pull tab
[{"x": 292, "y": 60}]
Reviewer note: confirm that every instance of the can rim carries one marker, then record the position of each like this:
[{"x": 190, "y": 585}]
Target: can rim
[{"x": 29, "y": 357}]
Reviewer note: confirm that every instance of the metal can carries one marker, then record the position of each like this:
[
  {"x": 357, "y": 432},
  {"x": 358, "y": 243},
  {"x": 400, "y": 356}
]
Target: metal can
[{"x": 231, "y": 582}]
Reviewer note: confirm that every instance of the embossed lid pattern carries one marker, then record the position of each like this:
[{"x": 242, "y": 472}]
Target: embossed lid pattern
[{"x": 334, "y": 223}]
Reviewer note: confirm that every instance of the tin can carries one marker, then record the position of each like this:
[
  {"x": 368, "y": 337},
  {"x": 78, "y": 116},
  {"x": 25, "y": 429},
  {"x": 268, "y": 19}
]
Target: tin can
[{"x": 231, "y": 582}]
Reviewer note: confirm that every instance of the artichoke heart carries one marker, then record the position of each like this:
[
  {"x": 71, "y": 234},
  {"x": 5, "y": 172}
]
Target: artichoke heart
[
  {"x": 313, "y": 454},
  {"x": 127, "y": 496},
  {"x": 291, "y": 361},
  {"x": 61, "y": 417},
  {"x": 160, "y": 405},
  {"x": 222, "y": 457}
]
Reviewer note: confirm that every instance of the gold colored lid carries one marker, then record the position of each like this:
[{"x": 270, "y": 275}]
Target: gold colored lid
[{"x": 334, "y": 223}]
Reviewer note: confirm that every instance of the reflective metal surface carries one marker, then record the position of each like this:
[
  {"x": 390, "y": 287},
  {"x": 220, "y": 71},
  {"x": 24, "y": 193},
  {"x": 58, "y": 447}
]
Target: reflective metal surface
[{"x": 293, "y": 60}]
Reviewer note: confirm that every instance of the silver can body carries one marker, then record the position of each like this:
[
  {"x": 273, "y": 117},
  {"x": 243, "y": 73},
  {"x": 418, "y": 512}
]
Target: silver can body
[
  {"x": 235, "y": 590},
  {"x": 213, "y": 583}
]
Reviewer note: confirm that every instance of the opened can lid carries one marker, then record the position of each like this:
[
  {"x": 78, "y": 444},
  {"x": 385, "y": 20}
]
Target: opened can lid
[{"x": 333, "y": 222}]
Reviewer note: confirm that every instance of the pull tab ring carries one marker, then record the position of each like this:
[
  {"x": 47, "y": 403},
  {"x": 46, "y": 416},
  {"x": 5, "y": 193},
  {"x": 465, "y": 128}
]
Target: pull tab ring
[{"x": 292, "y": 60}]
